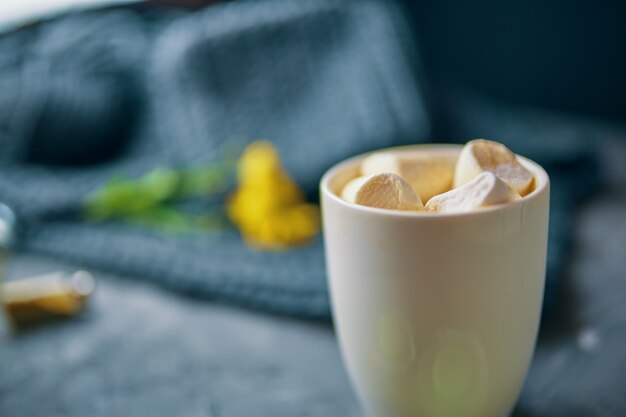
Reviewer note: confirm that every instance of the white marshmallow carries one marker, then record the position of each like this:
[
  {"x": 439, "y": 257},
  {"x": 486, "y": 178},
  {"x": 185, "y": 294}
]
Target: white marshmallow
[
  {"x": 484, "y": 190},
  {"x": 383, "y": 191},
  {"x": 482, "y": 155},
  {"x": 428, "y": 173},
  {"x": 351, "y": 188}
]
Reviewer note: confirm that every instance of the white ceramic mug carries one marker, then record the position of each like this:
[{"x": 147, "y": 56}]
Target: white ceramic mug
[{"x": 436, "y": 314}]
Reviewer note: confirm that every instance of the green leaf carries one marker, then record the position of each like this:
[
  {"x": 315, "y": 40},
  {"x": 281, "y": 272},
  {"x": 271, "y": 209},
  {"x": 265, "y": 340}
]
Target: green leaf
[
  {"x": 172, "y": 220},
  {"x": 149, "y": 200},
  {"x": 160, "y": 218},
  {"x": 204, "y": 181},
  {"x": 160, "y": 184},
  {"x": 117, "y": 195}
]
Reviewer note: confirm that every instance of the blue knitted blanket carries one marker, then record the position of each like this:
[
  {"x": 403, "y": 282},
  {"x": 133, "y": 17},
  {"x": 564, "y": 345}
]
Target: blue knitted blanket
[{"x": 89, "y": 95}]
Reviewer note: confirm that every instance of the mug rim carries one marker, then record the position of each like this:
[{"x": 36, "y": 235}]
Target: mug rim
[{"x": 541, "y": 178}]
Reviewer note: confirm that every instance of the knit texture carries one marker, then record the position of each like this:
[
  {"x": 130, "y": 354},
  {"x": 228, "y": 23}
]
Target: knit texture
[{"x": 90, "y": 95}]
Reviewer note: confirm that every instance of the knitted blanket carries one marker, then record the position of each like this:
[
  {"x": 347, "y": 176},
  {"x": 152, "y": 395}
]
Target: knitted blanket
[{"x": 89, "y": 95}]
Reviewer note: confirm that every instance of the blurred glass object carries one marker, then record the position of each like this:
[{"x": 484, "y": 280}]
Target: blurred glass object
[
  {"x": 57, "y": 294},
  {"x": 7, "y": 227},
  {"x": 40, "y": 297}
]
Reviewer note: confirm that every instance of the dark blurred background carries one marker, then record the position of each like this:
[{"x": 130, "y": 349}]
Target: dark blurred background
[
  {"x": 202, "y": 324},
  {"x": 568, "y": 56}
]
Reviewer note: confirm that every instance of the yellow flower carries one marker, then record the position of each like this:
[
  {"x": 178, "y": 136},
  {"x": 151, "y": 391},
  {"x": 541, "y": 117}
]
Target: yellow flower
[{"x": 268, "y": 207}]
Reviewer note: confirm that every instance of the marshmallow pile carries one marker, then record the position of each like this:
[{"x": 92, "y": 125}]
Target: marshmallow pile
[{"x": 486, "y": 173}]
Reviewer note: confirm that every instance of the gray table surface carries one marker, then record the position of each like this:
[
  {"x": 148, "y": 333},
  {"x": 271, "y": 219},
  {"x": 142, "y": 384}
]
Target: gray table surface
[{"x": 142, "y": 351}]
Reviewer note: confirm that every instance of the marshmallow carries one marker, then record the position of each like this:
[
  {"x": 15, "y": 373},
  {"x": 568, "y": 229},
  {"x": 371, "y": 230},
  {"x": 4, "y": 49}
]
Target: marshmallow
[
  {"x": 351, "y": 188},
  {"x": 484, "y": 190},
  {"x": 427, "y": 172},
  {"x": 484, "y": 155},
  {"x": 383, "y": 191}
]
